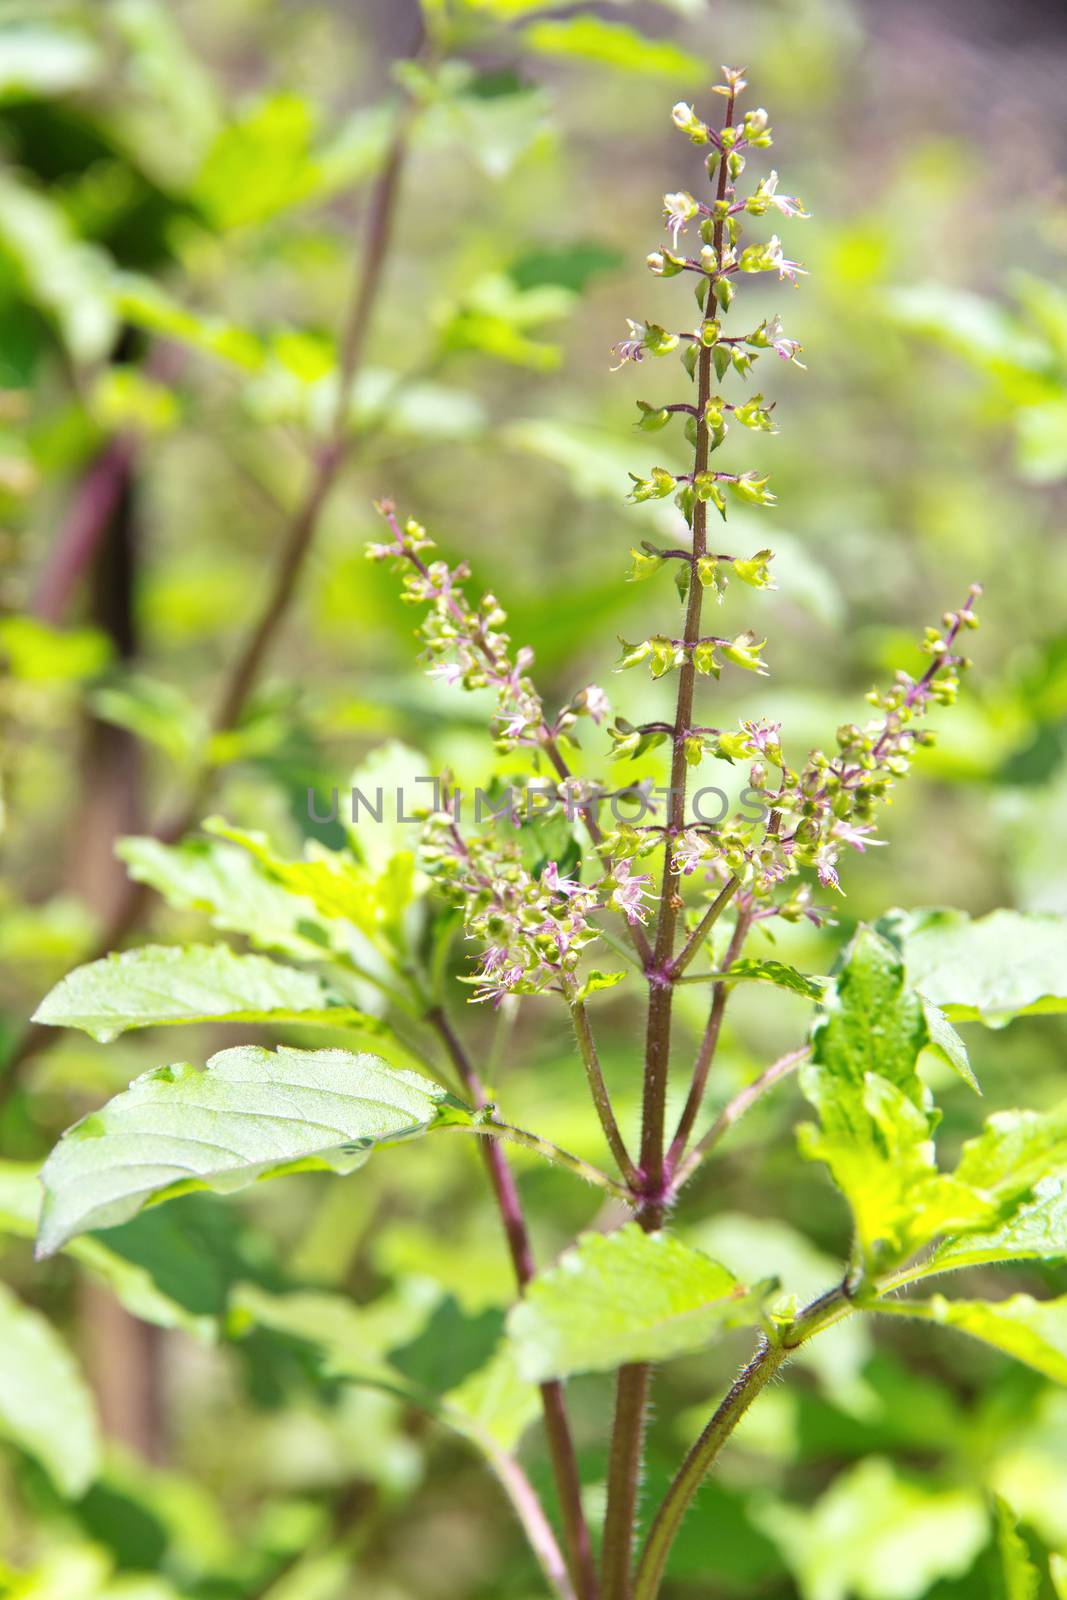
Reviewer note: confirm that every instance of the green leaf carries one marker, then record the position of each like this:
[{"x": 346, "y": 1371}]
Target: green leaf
[
  {"x": 341, "y": 890},
  {"x": 143, "y": 303},
  {"x": 37, "y": 653},
  {"x": 45, "y": 61},
  {"x": 778, "y": 973},
  {"x": 612, "y": 45},
  {"x": 944, "y": 1042},
  {"x": 68, "y": 279},
  {"x": 354, "y": 1341},
  {"x": 1057, "y": 1566},
  {"x": 875, "y": 1114},
  {"x": 871, "y": 1022},
  {"x": 240, "y": 896},
  {"x": 875, "y": 1535},
  {"x": 170, "y": 1266},
  {"x": 155, "y": 711},
  {"x": 879, "y": 1150},
  {"x": 249, "y": 1113},
  {"x": 1032, "y": 1331},
  {"x": 623, "y": 1296},
  {"x": 45, "y": 1404},
  {"x": 1020, "y": 1161},
  {"x": 595, "y": 981},
  {"x": 495, "y": 1403},
  {"x": 260, "y": 165},
  {"x": 164, "y": 985},
  {"x": 1021, "y": 1577},
  {"x": 1008, "y": 964}
]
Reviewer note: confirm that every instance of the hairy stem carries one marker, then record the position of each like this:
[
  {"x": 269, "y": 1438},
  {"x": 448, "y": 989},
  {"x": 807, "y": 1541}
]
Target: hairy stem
[
  {"x": 627, "y": 1445},
  {"x": 553, "y": 1405},
  {"x": 765, "y": 1363},
  {"x": 708, "y": 1045},
  {"x": 493, "y": 1129},
  {"x": 760, "y": 1370},
  {"x": 704, "y": 926},
  {"x": 601, "y": 1099},
  {"x": 535, "y": 1524},
  {"x": 736, "y": 1108}
]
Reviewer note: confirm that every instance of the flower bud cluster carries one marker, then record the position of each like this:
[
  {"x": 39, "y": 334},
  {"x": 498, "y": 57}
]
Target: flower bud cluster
[
  {"x": 787, "y": 839},
  {"x": 467, "y": 645},
  {"x": 830, "y": 804},
  {"x": 534, "y": 926}
]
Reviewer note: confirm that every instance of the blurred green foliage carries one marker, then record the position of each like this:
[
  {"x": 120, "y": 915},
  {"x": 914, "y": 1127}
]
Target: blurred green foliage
[{"x": 183, "y": 194}]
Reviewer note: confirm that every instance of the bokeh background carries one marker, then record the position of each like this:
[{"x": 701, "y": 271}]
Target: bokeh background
[{"x": 185, "y": 195}]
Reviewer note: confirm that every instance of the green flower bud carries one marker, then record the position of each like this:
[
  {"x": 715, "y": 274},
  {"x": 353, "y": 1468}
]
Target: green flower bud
[
  {"x": 713, "y": 411},
  {"x": 664, "y": 656},
  {"x": 652, "y": 418},
  {"x": 744, "y": 651},
  {"x": 684, "y": 117},
  {"x": 644, "y": 565},
  {"x": 752, "y": 489},
  {"x": 754, "y": 572},
  {"x": 656, "y": 487},
  {"x": 704, "y": 659},
  {"x": 754, "y": 414}
]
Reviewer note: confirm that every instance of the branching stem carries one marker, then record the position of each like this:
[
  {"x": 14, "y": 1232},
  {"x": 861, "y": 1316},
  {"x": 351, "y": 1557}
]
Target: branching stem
[
  {"x": 735, "y": 1110},
  {"x": 601, "y": 1099},
  {"x": 765, "y": 1363},
  {"x": 627, "y": 1446},
  {"x": 553, "y": 1405}
]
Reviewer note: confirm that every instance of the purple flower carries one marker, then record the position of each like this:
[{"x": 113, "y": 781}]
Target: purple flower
[
  {"x": 631, "y": 349},
  {"x": 629, "y": 891},
  {"x": 689, "y": 853},
  {"x": 825, "y": 859},
  {"x": 765, "y": 736},
  {"x": 552, "y": 881},
  {"x": 595, "y": 702},
  {"x": 499, "y": 988},
  {"x": 449, "y": 672},
  {"x": 857, "y": 837}
]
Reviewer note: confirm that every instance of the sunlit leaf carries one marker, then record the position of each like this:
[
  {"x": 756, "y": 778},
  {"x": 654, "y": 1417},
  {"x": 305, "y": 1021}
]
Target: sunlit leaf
[
  {"x": 944, "y": 1042},
  {"x": 876, "y": 1535},
  {"x": 246, "y": 1114},
  {"x": 38, "y": 653},
  {"x": 45, "y": 61},
  {"x": 624, "y": 1296},
  {"x": 1020, "y": 1161},
  {"x": 1008, "y": 964},
  {"x": 154, "y": 711},
  {"x": 45, "y": 1404},
  {"x": 163, "y": 985},
  {"x": 611, "y": 44},
  {"x": 146, "y": 305},
  {"x": 1032, "y": 1331},
  {"x": 240, "y": 896},
  {"x": 779, "y": 973},
  {"x": 876, "y": 1123},
  {"x": 261, "y": 164},
  {"x": 1020, "y": 1575},
  {"x": 67, "y": 278}
]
